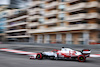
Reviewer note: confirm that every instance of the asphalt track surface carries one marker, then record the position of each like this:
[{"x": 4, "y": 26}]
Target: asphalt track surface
[{"x": 14, "y": 60}]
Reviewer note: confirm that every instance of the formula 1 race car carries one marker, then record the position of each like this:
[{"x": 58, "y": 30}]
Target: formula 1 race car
[{"x": 64, "y": 53}]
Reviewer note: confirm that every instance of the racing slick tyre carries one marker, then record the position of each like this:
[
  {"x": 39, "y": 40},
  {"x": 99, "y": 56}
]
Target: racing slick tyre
[
  {"x": 39, "y": 56},
  {"x": 81, "y": 58}
]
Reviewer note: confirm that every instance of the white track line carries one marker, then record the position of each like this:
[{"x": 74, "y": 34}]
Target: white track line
[
  {"x": 94, "y": 55},
  {"x": 17, "y": 51}
]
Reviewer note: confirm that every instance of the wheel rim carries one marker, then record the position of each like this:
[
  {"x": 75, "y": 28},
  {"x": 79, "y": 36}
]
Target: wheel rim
[
  {"x": 38, "y": 56},
  {"x": 81, "y": 58}
]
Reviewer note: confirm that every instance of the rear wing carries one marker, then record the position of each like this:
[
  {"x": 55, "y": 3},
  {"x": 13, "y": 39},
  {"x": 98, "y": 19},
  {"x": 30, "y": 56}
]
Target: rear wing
[{"x": 86, "y": 51}]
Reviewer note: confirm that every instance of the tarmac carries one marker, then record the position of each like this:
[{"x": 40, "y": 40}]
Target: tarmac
[{"x": 8, "y": 59}]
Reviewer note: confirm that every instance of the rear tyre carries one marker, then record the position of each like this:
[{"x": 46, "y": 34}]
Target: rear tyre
[
  {"x": 39, "y": 56},
  {"x": 81, "y": 58}
]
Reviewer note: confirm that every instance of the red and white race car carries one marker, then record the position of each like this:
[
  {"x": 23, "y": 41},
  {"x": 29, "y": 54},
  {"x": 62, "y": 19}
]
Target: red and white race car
[{"x": 64, "y": 53}]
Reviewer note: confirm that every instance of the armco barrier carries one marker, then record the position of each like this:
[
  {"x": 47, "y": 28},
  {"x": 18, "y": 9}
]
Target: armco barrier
[{"x": 58, "y": 45}]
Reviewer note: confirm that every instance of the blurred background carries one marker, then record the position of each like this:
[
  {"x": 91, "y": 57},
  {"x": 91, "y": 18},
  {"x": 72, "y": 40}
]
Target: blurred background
[
  {"x": 50, "y": 21},
  {"x": 44, "y": 25}
]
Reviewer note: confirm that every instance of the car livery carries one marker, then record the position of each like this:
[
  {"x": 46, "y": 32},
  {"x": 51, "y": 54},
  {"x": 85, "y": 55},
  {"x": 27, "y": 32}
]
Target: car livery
[{"x": 64, "y": 53}]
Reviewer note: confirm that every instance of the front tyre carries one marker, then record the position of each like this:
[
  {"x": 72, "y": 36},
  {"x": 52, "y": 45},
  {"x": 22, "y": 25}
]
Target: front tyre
[
  {"x": 81, "y": 58},
  {"x": 39, "y": 56}
]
